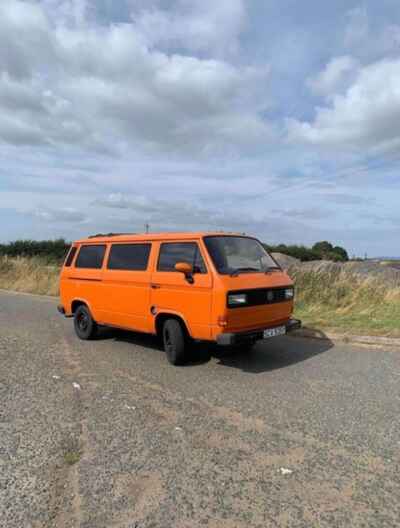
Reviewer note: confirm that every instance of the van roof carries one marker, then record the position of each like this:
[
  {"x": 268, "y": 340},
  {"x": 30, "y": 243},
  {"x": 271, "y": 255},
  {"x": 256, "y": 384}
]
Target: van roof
[{"x": 127, "y": 237}]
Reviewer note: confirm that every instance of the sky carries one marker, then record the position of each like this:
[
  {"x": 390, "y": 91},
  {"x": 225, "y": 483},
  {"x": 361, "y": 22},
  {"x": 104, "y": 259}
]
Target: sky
[{"x": 277, "y": 118}]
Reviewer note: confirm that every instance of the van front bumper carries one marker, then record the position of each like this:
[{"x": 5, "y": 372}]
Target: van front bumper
[{"x": 239, "y": 338}]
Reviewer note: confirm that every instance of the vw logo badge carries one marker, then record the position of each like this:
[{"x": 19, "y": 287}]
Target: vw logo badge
[{"x": 270, "y": 296}]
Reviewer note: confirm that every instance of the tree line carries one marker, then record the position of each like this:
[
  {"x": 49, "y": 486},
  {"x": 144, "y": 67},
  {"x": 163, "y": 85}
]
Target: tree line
[
  {"x": 319, "y": 251},
  {"x": 56, "y": 250},
  {"x": 51, "y": 250}
]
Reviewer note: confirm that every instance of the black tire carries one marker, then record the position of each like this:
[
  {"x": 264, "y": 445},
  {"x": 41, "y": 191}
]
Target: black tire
[
  {"x": 85, "y": 326},
  {"x": 174, "y": 340}
]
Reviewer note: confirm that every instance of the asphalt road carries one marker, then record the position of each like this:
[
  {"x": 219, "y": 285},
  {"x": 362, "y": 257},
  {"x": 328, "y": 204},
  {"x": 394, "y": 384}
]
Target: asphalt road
[{"x": 297, "y": 434}]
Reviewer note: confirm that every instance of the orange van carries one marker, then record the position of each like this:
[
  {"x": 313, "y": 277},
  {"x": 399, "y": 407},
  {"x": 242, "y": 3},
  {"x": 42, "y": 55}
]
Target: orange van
[{"x": 217, "y": 287}]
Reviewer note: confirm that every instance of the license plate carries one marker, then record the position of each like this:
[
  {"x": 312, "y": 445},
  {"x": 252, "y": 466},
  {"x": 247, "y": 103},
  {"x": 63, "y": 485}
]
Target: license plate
[{"x": 273, "y": 332}]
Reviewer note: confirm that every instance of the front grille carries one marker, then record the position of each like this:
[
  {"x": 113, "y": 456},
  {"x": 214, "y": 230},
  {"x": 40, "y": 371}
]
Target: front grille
[{"x": 262, "y": 296}]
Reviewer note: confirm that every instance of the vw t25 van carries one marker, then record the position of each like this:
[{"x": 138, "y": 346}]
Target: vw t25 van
[{"x": 217, "y": 287}]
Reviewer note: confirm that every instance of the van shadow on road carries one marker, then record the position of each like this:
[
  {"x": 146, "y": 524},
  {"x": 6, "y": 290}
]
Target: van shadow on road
[
  {"x": 272, "y": 355},
  {"x": 265, "y": 356}
]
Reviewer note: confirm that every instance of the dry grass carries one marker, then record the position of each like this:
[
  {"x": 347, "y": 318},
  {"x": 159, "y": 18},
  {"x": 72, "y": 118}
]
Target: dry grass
[
  {"x": 325, "y": 300},
  {"x": 29, "y": 275},
  {"x": 344, "y": 302}
]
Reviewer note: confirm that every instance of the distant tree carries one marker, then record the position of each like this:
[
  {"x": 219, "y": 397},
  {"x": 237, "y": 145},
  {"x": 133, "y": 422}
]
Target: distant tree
[
  {"x": 341, "y": 252},
  {"x": 300, "y": 252},
  {"x": 320, "y": 250},
  {"x": 325, "y": 250}
]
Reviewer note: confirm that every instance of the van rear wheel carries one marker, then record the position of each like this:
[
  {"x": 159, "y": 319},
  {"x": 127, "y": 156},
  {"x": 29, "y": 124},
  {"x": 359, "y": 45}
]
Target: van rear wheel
[
  {"x": 84, "y": 324},
  {"x": 174, "y": 341}
]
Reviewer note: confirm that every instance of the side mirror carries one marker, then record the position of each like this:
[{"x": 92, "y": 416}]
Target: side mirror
[{"x": 186, "y": 269}]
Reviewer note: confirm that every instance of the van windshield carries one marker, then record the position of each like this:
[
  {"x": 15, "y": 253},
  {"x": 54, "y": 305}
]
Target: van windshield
[{"x": 235, "y": 254}]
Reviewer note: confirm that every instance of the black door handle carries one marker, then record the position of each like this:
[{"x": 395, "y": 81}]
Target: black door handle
[{"x": 155, "y": 286}]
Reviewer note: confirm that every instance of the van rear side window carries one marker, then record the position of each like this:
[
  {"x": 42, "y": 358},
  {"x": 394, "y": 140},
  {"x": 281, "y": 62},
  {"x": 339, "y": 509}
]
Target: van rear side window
[
  {"x": 90, "y": 257},
  {"x": 132, "y": 257},
  {"x": 70, "y": 256}
]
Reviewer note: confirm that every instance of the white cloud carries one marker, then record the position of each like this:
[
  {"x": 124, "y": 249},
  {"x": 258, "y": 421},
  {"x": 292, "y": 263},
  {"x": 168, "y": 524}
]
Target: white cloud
[
  {"x": 367, "y": 116},
  {"x": 121, "y": 201},
  {"x": 367, "y": 38},
  {"x": 311, "y": 214},
  {"x": 174, "y": 213},
  {"x": 180, "y": 95},
  {"x": 71, "y": 81},
  {"x": 167, "y": 211},
  {"x": 336, "y": 75},
  {"x": 66, "y": 215},
  {"x": 197, "y": 25},
  {"x": 26, "y": 42}
]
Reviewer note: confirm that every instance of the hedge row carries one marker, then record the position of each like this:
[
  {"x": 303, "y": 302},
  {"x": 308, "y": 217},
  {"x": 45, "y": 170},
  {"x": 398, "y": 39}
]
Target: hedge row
[{"x": 52, "y": 250}]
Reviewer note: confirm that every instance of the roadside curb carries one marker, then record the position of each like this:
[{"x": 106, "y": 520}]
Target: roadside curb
[{"x": 310, "y": 333}]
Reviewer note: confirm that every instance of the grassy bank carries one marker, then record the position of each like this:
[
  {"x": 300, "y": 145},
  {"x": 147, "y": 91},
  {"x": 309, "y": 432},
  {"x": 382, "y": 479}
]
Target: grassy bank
[
  {"x": 324, "y": 300},
  {"x": 29, "y": 275},
  {"x": 345, "y": 303}
]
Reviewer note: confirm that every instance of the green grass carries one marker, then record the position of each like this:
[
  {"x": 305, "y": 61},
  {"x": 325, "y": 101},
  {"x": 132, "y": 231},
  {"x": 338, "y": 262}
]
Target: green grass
[
  {"x": 338, "y": 302},
  {"x": 72, "y": 457}
]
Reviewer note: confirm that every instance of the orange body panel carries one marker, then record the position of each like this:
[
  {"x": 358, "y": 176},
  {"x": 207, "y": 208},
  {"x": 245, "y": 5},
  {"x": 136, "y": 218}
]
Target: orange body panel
[
  {"x": 252, "y": 317},
  {"x": 134, "y": 299}
]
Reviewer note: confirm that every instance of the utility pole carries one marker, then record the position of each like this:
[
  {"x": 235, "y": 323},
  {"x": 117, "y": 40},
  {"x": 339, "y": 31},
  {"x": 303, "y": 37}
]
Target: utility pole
[{"x": 147, "y": 227}]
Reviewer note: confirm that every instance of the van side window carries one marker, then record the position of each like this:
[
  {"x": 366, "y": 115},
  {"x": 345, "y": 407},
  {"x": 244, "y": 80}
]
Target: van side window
[
  {"x": 90, "y": 257},
  {"x": 133, "y": 257},
  {"x": 70, "y": 256},
  {"x": 173, "y": 252}
]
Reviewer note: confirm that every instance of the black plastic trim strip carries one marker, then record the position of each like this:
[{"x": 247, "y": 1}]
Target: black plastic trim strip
[
  {"x": 258, "y": 296},
  {"x": 85, "y": 279}
]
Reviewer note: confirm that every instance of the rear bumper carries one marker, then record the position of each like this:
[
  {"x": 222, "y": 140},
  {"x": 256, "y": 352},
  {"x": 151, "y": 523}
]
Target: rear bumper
[{"x": 238, "y": 338}]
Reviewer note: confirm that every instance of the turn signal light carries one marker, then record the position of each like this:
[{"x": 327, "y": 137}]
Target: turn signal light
[{"x": 222, "y": 321}]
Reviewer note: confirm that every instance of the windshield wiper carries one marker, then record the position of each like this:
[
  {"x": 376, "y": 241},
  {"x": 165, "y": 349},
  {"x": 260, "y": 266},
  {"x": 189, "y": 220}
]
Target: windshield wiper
[
  {"x": 272, "y": 268},
  {"x": 237, "y": 271}
]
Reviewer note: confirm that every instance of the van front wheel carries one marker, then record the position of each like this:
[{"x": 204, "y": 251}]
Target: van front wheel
[
  {"x": 174, "y": 341},
  {"x": 85, "y": 326}
]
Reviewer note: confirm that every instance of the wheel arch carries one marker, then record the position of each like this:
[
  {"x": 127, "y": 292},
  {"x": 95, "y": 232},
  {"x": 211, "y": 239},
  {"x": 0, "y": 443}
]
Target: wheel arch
[
  {"x": 162, "y": 316},
  {"x": 79, "y": 302}
]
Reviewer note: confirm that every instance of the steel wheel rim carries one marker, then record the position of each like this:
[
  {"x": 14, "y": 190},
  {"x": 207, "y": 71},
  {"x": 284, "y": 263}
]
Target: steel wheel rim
[{"x": 83, "y": 322}]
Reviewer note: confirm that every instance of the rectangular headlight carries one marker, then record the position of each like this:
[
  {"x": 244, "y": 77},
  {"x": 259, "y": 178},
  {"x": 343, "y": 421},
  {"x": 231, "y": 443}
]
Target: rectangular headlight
[
  {"x": 289, "y": 293},
  {"x": 237, "y": 299}
]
